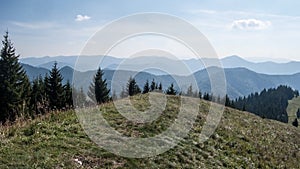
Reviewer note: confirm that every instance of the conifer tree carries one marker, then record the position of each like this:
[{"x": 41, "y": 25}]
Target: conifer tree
[
  {"x": 14, "y": 84},
  {"x": 298, "y": 113},
  {"x": 160, "y": 87},
  {"x": 54, "y": 88},
  {"x": 98, "y": 90},
  {"x": 206, "y": 96},
  {"x": 171, "y": 90},
  {"x": 132, "y": 87},
  {"x": 227, "y": 101},
  {"x": 38, "y": 96},
  {"x": 200, "y": 94},
  {"x": 68, "y": 97},
  {"x": 152, "y": 86},
  {"x": 146, "y": 87}
]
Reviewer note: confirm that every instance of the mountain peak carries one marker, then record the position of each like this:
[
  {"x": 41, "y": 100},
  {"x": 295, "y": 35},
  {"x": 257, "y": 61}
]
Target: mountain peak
[{"x": 234, "y": 57}]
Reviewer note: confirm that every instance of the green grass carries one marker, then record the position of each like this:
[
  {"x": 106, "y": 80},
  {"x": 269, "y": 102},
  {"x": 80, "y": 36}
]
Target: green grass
[
  {"x": 242, "y": 140},
  {"x": 292, "y": 108}
]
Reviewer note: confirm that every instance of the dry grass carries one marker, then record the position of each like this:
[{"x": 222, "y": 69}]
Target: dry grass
[{"x": 242, "y": 140}]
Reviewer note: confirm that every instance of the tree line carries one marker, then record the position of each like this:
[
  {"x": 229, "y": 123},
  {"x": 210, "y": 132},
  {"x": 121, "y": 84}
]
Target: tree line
[
  {"x": 21, "y": 98},
  {"x": 271, "y": 103}
]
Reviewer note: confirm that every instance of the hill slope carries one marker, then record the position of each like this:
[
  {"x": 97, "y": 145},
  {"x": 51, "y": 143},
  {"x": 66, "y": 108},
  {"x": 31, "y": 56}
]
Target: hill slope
[{"x": 242, "y": 140}]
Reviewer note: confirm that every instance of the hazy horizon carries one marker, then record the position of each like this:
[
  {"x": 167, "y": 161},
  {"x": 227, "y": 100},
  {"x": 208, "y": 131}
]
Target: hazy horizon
[{"x": 249, "y": 59}]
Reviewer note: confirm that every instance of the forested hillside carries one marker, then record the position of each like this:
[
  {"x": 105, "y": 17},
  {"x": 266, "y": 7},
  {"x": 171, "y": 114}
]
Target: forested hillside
[{"x": 271, "y": 103}]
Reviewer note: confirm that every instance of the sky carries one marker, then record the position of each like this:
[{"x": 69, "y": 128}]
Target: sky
[{"x": 256, "y": 29}]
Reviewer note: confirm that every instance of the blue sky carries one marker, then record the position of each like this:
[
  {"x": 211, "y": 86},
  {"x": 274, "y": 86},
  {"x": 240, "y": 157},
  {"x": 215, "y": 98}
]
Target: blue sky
[{"x": 256, "y": 29}]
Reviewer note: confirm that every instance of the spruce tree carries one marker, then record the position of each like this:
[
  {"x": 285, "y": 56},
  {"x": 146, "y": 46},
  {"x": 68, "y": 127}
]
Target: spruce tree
[
  {"x": 38, "y": 96},
  {"x": 160, "y": 87},
  {"x": 200, "y": 94},
  {"x": 146, "y": 87},
  {"x": 152, "y": 86},
  {"x": 227, "y": 101},
  {"x": 156, "y": 86},
  {"x": 54, "y": 88},
  {"x": 171, "y": 90},
  {"x": 98, "y": 90},
  {"x": 14, "y": 84},
  {"x": 132, "y": 87},
  {"x": 206, "y": 96},
  {"x": 68, "y": 97}
]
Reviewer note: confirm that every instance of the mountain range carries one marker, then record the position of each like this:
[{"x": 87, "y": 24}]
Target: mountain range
[
  {"x": 239, "y": 81},
  {"x": 155, "y": 63}
]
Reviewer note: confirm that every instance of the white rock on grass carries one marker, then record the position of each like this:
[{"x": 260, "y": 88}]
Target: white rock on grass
[{"x": 78, "y": 161}]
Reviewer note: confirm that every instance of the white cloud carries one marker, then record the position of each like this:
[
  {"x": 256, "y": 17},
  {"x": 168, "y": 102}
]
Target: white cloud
[
  {"x": 35, "y": 25},
  {"x": 80, "y": 18},
  {"x": 250, "y": 24}
]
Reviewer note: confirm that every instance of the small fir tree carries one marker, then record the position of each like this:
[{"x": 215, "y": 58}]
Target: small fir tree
[
  {"x": 132, "y": 87},
  {"x": 98, "y": 90},
  {"x": 146, "y": 87},
  {"x": 152, "y": 86},
  {"x": 171, "y": 90}
]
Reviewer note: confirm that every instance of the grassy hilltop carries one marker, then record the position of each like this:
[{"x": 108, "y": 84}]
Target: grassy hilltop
[{"x": 242, "y": 140}]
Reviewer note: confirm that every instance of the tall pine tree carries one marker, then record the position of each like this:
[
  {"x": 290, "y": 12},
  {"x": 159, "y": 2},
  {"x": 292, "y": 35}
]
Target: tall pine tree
[
  {"x": 54, "y": 88},
  {"x": 98, "y": 90},
  {"x": 14, "y": 84}
]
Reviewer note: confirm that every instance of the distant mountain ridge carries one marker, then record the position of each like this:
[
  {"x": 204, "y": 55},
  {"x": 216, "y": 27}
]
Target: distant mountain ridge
[
  {"x": 86, "y": 63},
  {"x": 240, "y": 81}
]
